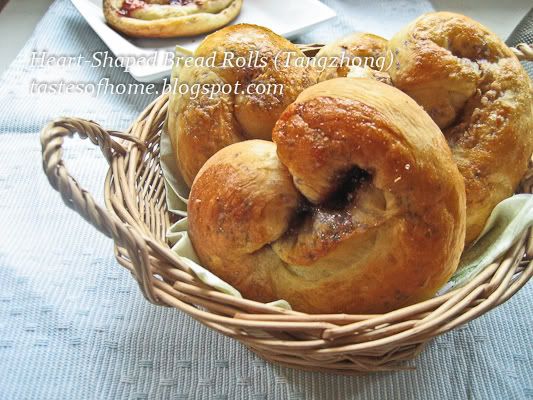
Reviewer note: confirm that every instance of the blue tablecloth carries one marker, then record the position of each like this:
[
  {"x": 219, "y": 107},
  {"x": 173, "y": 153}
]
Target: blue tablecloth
[{"x": 73, "y": 324}]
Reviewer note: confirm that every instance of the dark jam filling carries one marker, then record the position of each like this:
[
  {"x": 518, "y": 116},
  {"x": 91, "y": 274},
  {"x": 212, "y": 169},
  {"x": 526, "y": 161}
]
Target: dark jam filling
[
  {"x": 129, "y": 6},
  {"x": 349, "y": 183},
  {"x": 332, "y": 211}
]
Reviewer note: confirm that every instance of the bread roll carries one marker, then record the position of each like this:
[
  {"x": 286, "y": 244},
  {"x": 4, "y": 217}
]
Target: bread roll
[
  {"x": 167, "y": 18},
  {"x": 475, "y": 89},
  {"x": 357, "y": 206},
  {"x": 201, "y": 125},
  {"x": 364, "y": 51}
]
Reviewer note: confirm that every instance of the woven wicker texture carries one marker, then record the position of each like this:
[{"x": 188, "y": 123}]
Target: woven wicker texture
[{"x": 136, "y": 218}]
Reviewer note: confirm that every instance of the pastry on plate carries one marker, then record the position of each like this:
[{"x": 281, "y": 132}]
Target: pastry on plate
[{"x": 169, "y": 18}]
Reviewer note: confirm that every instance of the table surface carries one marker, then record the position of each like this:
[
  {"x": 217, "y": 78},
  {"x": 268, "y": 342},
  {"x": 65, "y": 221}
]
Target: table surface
[
  {"x": 18, "y": 19},
  {"x": 73, "y": 324}
]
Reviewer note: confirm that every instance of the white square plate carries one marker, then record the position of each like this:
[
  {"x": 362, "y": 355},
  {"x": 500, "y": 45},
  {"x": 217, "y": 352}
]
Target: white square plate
[{"x": 285, "y": 17}]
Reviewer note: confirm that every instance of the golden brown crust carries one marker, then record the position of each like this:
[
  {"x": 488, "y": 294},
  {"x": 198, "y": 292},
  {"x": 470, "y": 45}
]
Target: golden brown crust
[
  {"x": 162, "y": 19},
  {"x": 363, "y": 50},
  {"x": 201, "y": 125},
  {"x": 475, "y": 89},
  {"x": 357, "y": 207}
]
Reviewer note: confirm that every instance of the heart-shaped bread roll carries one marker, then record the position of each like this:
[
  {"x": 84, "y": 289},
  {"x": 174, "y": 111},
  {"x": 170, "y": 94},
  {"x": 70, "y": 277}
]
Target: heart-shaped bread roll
[
  {"x": 475, "y": 89},
  {"x": 169, "y": 18},
  {"x": 356, "y": 207},
  {"x": 200, "y": 124},
  {"x": 364, "y": 51}
]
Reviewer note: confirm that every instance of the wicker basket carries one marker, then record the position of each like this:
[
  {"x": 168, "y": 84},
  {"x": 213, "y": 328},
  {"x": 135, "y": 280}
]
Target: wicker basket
[{"x": 136, "y": 218}]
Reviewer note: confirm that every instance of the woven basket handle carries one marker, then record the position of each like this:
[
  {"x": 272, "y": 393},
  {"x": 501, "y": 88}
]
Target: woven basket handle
[
  {"x": 81, "y": 201},
  {"x": 75, "y": 197}
]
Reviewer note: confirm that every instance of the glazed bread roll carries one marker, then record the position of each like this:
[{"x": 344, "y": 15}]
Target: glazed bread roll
[
  {"x": 356, "y": 207},
  {"x": 365, "y": 51},
  {"x": 200, "y": 125},
  {"x": 477, "y": 92},
  {"x": 169, "y": 18}
]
